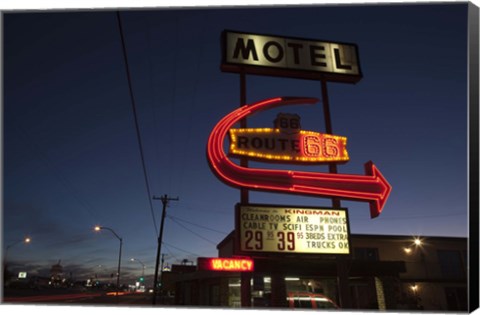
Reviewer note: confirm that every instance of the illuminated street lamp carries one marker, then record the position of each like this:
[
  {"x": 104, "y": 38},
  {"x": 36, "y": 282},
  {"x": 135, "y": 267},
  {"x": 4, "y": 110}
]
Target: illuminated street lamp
[
  {"x": 98, "y": 228},
  {"x": 143, "y": 267},
  {"x": 26, "y": 240}
]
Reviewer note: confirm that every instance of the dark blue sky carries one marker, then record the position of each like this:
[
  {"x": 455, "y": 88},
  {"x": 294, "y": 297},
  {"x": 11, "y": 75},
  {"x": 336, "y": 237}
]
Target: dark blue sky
[{"x": 71, "y": 156}]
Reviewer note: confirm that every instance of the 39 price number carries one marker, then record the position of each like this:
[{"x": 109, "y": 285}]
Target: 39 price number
[{"x": 284, "y": 241}]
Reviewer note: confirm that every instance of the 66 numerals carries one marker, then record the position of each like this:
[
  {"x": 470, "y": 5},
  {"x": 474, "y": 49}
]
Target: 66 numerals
[{"x": 254, "y": 240}]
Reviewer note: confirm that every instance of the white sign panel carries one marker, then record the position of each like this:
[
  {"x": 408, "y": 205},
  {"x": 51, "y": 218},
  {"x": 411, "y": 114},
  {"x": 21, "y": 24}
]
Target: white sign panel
[{"x": 263, "y": 228}]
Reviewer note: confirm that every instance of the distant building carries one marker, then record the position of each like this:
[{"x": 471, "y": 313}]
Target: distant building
[
  {"x": 382, "y": 272},
  {"x": 56, "y": 275}
]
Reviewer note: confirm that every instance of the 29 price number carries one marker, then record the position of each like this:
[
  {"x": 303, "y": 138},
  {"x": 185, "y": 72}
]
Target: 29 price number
[{"x": 254, "y": 241}]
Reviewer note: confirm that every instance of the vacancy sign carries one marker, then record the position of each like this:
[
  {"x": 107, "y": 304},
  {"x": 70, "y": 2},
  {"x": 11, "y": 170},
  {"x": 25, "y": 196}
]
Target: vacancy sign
[
  {"x": 225, "y": 264},
  {"x": 277, "y": 229}
]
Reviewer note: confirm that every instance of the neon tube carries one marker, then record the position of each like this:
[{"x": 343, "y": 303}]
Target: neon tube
[{"x": 371, "y": 187}]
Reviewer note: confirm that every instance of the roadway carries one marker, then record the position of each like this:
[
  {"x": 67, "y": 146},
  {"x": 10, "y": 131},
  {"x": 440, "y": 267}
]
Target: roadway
[{"x": 80, "y": 298}]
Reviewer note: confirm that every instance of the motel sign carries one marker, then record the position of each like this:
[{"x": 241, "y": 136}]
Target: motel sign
[{"x": 290, "y": 57}]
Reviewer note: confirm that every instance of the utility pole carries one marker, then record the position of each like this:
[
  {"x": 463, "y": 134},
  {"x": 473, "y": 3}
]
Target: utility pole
[
  {"x": 163, "y": 260},
  {"x": 165, "y": 199}
]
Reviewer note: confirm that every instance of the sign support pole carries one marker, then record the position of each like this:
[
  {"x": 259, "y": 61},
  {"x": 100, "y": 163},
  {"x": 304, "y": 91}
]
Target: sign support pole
[
  {"x": 342, "y": 270},
  {"x": 332, "y": 167},
  {"x": 243, "y": 124},
  {"x": 245, "y": 287}
]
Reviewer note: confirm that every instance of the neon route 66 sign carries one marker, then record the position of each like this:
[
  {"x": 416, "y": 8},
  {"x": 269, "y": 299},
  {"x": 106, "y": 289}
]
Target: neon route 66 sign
[
  {"x": 287, "y": 143},
  {"x": 371, "y": 187}
]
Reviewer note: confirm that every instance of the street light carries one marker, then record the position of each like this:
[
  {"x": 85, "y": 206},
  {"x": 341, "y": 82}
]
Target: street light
[
  {"x": 98, "y": 228},
  {"x": 26, "y": 240},
  {"x": 143, "y": 266}
]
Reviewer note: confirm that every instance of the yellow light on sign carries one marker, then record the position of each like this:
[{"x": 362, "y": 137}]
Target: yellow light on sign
[{"x": 300, "y": 147}]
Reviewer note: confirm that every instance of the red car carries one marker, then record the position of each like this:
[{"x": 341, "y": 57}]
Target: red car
[{"x": 310, "y": 300}]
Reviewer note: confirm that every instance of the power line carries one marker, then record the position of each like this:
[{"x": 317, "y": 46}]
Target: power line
[
  {"x": 199, "y": 56},
  {"x": 137, "y": 128},
  {"x": 170, "y": 252},
  {"x": 198, "y": 209},
  {"x": 173, "y": 102},
  {"x": 198, "y": 235},
  {"x": 197, "y": 225},
  {"x": 182, "y": 250},
  {"x": 417, "y": 217},
  {"x": 43, "y": 157}
]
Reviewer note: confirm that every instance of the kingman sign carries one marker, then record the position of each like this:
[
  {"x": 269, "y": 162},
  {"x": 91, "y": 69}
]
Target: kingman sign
[
  {"x": 290, "y": 229},
  {"x": 290, "y": 57}
]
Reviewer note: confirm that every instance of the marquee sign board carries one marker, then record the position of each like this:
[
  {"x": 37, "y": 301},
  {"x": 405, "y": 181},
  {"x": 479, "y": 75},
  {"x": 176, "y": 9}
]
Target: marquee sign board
[
  {"x": 287, "y": 143},
  {"x": 290, "y": 229},
  {"x": 290, "y": 57}
]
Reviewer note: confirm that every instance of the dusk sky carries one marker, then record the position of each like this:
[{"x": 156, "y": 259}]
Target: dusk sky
[{"x": 71, "y": 157}]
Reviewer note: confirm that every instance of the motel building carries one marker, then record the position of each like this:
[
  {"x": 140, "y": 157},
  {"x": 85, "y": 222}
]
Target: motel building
[{"x": 381, "y": 272}]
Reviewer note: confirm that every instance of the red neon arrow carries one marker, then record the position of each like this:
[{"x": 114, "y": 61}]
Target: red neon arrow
[{"x": 371, "y": 187}]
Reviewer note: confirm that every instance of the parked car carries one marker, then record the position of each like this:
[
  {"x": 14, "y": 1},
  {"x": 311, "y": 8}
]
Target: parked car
[{"x": 310, "y": 301}]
